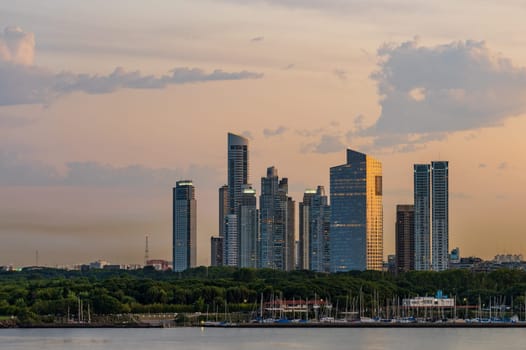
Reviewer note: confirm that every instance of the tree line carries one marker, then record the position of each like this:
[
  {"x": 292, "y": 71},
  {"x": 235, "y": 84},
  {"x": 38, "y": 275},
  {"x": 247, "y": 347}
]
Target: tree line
[{"x": 35, "y": 294}]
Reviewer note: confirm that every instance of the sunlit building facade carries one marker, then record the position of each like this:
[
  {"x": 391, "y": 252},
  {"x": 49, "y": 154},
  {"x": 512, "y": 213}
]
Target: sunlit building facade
[{"x": 356, "y": 228}]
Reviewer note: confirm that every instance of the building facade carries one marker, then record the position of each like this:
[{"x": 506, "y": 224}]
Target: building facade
[
  {"x": 184, "y": 226},
  {"x": 405, "y": 237},
  {"x": 216, "y": 251},
  {"x": 304, "y": 230},
  {"x": 276, "y": 244},
  {"x": 356, "y": 228},
  {"x": 248, "y": 228},
  {"x": 237, "y": 180},
  {"x": 440, "y": 215},
  {"x": 314, "y": 230},
  {"x": 422, "y": 206},
  {"x": 224, "y": 205}
]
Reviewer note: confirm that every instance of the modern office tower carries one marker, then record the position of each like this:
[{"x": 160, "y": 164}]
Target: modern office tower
[
  {"x": 231, "y": 241},
  {"x": 237, "y": 179},
  {"x": 320, "y": 222},
  {"x": 274, "y": 222},
  {"x": 184, "y": 226},
  {"x": 356, "y": 230},
  {"x": 422, "y": 203},
  {"x": 237, "y": 170},
  {"x": 405, "y": 237},
  {"x": 223, "y": 208},
  {"x": 304, "y": 227},
  {"x": 216, "y": 251},
  {"x": 440, "y": 215},
  {"x": 248, "y": 228}
]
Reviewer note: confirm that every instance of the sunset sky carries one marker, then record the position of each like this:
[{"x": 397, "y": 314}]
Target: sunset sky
[{"x": 104, "y": 105}]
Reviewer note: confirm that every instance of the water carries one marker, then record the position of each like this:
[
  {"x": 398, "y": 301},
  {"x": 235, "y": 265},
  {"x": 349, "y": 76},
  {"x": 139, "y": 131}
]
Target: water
[{"x": 259, "y": 339}]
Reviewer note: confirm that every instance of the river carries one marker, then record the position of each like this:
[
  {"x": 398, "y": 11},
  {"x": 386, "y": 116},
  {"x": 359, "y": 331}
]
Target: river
[{"x": 263, "y": 339}]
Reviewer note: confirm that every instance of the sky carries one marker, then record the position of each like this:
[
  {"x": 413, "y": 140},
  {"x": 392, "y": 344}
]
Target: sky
[{"x": 104, "y": 105}]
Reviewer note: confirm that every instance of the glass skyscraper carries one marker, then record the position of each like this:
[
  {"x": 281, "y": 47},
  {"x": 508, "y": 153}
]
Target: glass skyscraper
[
  {"x": 237, "y": 179},
  {"x": 422, "y": 202},
  {"x": 184, "y": 226},
  {"x": 440, "y": 215},
  {"x": 431, "y": 191},
  {"x": 356, "y": 230}
]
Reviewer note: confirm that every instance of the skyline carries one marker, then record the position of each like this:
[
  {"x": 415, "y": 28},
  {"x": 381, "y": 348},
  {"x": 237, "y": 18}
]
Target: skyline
[{"x": 89, "y": 152}]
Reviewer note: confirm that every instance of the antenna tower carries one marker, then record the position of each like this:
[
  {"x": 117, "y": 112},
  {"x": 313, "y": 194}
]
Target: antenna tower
[{"x": 146, "y": 251}]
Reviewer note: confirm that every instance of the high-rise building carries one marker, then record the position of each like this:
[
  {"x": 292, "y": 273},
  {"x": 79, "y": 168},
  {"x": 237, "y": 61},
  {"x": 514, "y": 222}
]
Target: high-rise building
[
  {"x": 405, "y": 237},
  {"x": 275, "y": 222},
  {"x": 422, "y": 206},
  {"x": 304, "y": 227},
  {"x": 237, "y": 179},
  {"x": 248, "y": 228},
  {"x": 314, "y": 230},
  {"x": 356, "y": 230},
  {"x": 216, "y": 251},
  {"x": 440, "y": 215},
  {"x": 237, "y": 170},
  {"x": 224, "y": 206},
  {"x": 231, "y": 241},
  {"x": 184, "y": 226},
  {"x": 290, "y": 246},
  {"x": 320, "y": 223}
]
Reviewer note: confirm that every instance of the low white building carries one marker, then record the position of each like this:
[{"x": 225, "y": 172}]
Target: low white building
[{"x": 428, "y": 302}]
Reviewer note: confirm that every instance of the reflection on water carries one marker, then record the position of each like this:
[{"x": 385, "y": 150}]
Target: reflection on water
[{"x": 263, "y": 339}]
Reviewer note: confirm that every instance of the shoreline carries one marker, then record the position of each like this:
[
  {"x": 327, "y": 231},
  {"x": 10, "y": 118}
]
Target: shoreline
[{"x": 272, "y": 325}]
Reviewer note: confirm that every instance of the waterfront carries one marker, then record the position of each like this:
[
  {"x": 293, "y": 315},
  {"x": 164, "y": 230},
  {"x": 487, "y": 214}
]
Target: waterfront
[{"x": 256, "y": 339}]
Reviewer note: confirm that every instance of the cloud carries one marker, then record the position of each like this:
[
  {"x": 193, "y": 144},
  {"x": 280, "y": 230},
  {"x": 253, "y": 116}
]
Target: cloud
[
  {"x": 340, "y": 74},
  {"x": 483, "y": 165},
  {"x": 336, "y": 6},
  {"x": 441, "y": 89},
  {"x": 16, "y": 171},
  {"x": 289, "y": 66},
  {"x": 503, "y": 166},
  {"x": 17, "y": 46},
  {"x": 23, "y": 83},
  {"x": 276, "y": 132},
  {"x": 257, "y": 39},
  {"x": 327, "y": 144}
]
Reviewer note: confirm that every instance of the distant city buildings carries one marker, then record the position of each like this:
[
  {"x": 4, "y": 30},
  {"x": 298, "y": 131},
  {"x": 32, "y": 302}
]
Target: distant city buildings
[
  {"x": 405, "y": 237},
  {"x": 184, "y": 226},
  {"x": 356, "y": 230},
  {"x": 345, "y": 234}
]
